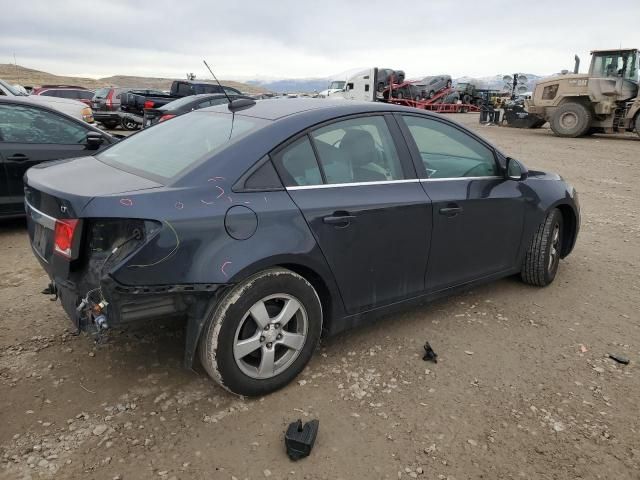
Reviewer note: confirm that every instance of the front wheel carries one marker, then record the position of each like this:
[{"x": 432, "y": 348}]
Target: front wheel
[
  {"x": 571, "y": 120},
  {"x": 541, "y": 261},
  {"x": 129, "y": 124},
  {"x": 262, "y": 333}
]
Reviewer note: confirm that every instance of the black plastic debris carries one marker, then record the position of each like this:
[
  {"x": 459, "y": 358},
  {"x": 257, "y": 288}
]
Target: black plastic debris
[
  {"x": 299, "y": 439},
  {"x": 429, "y": 354},
  {"x": 619, "y": 359}
]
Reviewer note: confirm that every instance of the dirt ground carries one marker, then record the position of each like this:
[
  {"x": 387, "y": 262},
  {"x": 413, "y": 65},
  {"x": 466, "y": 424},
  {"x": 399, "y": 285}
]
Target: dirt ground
[{"x": 523, "y": 387}]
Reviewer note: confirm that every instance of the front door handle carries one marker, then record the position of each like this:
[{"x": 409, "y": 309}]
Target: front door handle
[
  {"x": 339, "y": 219},
  {"x": 451, "y": 210},
  {"x": 18, "y": 157}
]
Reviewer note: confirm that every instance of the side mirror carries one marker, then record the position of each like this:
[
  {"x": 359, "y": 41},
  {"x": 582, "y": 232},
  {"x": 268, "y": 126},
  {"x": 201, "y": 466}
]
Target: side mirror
[
  {"x": 514, "y": 170},
  {"x": 94, "y": 140}
]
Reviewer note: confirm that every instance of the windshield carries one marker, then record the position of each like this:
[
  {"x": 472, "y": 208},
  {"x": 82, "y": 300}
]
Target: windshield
[
  {"x": 169, "y": 148},
  {"x": 13, "y": 90},
  {"x": 615, "y": 64},
  {"x": 338, "y": 85}
]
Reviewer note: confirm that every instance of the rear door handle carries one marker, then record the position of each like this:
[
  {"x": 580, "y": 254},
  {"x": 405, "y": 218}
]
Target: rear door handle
[
  {"x": 18, "y": 157},
  {"x": 339, "y": 219},
  {"x": 451, "y": 210}
]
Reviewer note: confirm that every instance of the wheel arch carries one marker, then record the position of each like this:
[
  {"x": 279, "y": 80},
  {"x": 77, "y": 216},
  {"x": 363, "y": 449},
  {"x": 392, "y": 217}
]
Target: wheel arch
[{"x": 569, "y": 228}]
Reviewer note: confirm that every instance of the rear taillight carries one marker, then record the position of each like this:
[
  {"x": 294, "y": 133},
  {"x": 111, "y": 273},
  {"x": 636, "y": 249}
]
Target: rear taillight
[
  {"x": 168, "y": 116},
  {"x": 110, "y": 98},
  {"x": 148, "y": 104},
  {"x": 63, "y": 236}
]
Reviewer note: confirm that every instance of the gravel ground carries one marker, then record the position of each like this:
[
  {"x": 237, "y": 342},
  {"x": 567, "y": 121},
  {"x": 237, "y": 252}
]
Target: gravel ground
[{"x": 523, "y": 387}]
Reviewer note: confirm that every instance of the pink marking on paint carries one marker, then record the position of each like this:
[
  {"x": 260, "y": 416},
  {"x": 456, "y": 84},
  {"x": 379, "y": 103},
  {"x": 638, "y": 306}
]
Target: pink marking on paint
[
  {"x": 179, "y": 205},
  {"x": 265, "y": 199},
  {"x": 247, "y": 203},
  {"x": 215, "y": 179},
  {"x": 126, "y": 202},
  {"x": 223, "y": 267},
  {"x": 229, "y": 198},
  {"x": 221, "y": 191},
  {"x": 207, "y": 203}
]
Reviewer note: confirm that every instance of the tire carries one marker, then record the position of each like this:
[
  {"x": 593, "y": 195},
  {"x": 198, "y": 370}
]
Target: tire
[
  {"x": 637, "y": 124},
  {"x": 541, "y": 261},
  {"x": 571, "y": 120},
  {"x": 432, "y": 94},
  {"x": 466, "y": 99},
  {"x": 233, "y": 322},
  {"x": 448, "y": 83},
  {"x": 129, "y": 124}
]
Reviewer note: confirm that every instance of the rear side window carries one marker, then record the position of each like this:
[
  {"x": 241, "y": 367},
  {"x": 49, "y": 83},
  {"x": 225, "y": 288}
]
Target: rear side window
[
  {"x": 185, "y": 89},
  {"x": 31, "y": 125},
  {"x": 297, "y": 164},
  {"x": 448, "y": 152},
  {"x": 170, "y": 148}
]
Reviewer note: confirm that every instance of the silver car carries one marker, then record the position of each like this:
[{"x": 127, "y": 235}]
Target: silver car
[
  {"x": 74, "y": 108},
  {"x": 433, "y": 84}
]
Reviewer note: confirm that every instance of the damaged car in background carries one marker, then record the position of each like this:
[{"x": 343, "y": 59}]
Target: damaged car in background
[{"x": 267, "y": 224}]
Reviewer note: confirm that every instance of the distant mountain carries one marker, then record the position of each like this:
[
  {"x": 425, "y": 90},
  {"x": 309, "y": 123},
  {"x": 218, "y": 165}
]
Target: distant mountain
[
  {"x": 309, "y": 85},
  {"x": 29, "y": 77},
  {"x": 291, "y": 85}
]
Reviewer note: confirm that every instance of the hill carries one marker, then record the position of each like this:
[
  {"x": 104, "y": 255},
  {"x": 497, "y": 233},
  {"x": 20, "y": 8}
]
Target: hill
[{"x": 29, "y": 77}]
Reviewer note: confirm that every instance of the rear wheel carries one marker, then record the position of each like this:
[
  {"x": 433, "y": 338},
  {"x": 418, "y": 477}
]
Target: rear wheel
[
  {"x": 571, "y": 120},
  {"x": 541, "y": 261},
  {"x": 637, "y": 124},
  {"x": 262, "y": 333},
  {"x": 110, "y": 125}
]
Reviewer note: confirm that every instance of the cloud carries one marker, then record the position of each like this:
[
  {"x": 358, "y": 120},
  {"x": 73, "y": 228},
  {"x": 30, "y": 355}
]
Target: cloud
[{"x": 302, "y": 39}]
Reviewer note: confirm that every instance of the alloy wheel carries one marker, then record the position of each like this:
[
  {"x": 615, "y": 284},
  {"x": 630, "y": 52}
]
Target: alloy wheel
[{"x": 270, "y": 336}]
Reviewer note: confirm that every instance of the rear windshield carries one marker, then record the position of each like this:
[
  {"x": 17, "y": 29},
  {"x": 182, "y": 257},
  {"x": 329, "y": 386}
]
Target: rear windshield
[
  {"x": 101, "y": 93},
  {"x": 172, "y": 147}
]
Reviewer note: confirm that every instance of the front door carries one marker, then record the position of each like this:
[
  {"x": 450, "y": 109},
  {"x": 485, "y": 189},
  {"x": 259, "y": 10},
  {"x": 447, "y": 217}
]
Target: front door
[
  {"x": 478, "y": 215},
  {"x": 358, "y": 193},
  {"x": 30, "y": 135}
]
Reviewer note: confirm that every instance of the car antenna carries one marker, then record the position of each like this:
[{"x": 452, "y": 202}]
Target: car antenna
[
  {"x": 239, "y": 104},
  {"x": 217, "y": 81}
]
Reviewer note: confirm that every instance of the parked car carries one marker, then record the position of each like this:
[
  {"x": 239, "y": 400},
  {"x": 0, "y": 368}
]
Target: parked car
[
  {"x": 106, "y": 104},
  {"x": 185, "y": 105},
  {"x": 71, "y": 107},
  {"x": 65, "y": 91},
  {"x": 432, "y": 85},
  {"x": 136, "y": 102},
  {"x": 32, "y": 133},
  {"x": 287, "y": 219}
]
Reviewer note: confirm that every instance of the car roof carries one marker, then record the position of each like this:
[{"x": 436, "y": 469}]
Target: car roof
[{"x": 284, "y": 107}]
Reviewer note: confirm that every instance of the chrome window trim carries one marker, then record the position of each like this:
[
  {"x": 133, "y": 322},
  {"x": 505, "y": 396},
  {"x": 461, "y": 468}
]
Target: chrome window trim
[
  {"x": 492, "y": 177},
  {"x": 40, "y": 217},
  {"x": 352, "y": 184}
]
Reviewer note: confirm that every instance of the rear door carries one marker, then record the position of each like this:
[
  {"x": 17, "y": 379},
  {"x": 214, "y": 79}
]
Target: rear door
[
  {"x": 31, "y": 135},
  {"x": 478, "y": 215},
  {"x": 359, "y": 194}
]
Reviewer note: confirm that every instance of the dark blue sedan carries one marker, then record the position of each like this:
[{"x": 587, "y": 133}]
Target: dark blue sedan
[{"x": 266, "y": 225}]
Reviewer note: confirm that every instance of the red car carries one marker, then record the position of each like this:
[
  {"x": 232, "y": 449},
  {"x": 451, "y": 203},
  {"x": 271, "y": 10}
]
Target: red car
[{"x": 65, "y": 91}]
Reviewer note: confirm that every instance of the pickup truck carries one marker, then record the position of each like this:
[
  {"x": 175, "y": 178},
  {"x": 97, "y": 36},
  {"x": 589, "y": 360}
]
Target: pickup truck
[{"x": 135, "y": 102}]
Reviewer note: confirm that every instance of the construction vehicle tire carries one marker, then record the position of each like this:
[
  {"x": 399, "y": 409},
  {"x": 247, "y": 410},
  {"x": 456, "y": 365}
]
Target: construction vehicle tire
[
  {"x": 571, "y": 120},
  {"x": 637, "y": 124}
]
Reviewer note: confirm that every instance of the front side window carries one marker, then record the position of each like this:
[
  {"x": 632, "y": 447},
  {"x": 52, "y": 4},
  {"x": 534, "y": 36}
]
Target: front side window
[
  {"x": 26, "y": 124},
  {"x": 357, "y": 150},
  {"x": 448, "y": 152},
  {"x": 169, "y": 148}
]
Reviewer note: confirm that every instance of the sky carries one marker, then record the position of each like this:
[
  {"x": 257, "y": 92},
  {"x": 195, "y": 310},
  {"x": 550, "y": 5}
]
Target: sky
[{"x": 258, "y": 39}]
